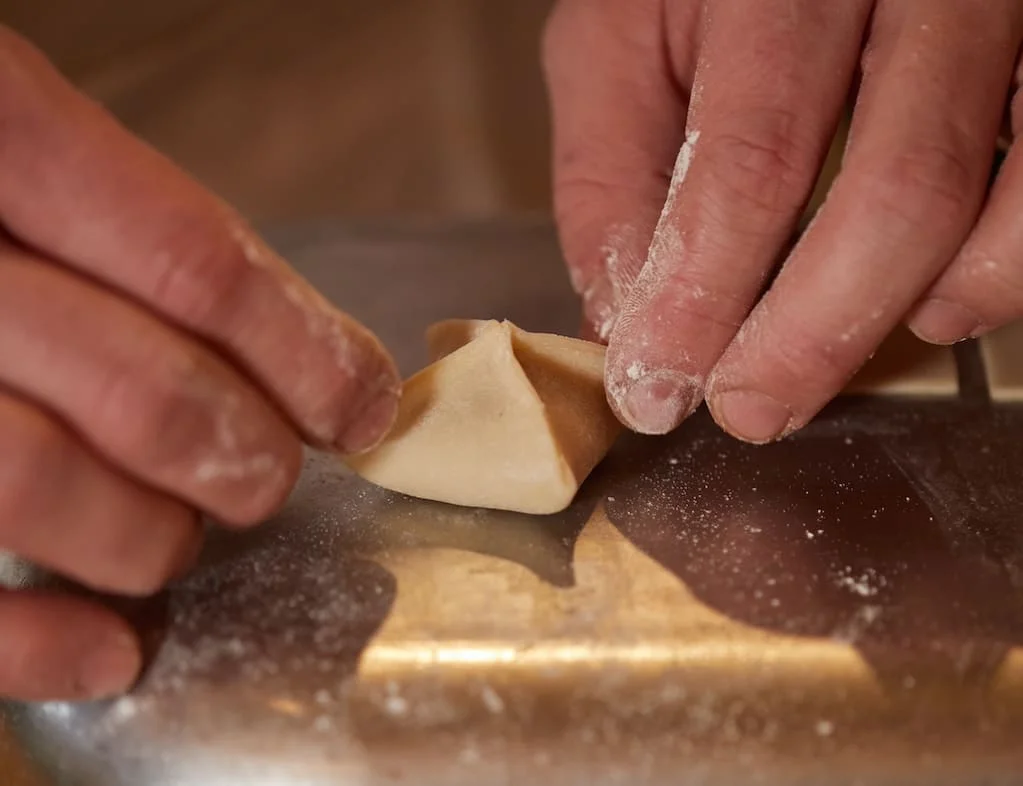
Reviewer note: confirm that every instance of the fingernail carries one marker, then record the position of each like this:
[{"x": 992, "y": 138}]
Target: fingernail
[
  {"x": 369, "y": 426},
  {"x": 658, "y": 402},
  {"x": 112, "y": 668},
  {"x": 751, "y": 416},
  {"x": 943, "y": 322}
]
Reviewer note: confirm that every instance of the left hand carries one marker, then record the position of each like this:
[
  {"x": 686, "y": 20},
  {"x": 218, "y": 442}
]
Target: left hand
[{"x": 751, "y": 93}]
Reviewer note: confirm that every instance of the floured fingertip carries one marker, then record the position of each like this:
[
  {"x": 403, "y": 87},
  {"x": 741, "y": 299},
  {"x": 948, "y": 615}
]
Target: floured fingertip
[{"x": 652, "y": 401}]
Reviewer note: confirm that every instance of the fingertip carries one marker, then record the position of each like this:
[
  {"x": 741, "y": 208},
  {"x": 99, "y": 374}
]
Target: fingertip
[
  {"x": 944, "y": 322},
  {"x": 363, "y": 405},
  {"x": 752, "y": 416},
  {"x": 373, "y": 411},
  {"x": 189, "y": 553},
  {"x": 651, "y": 401},
  {"x": 58, "y": 647},
  {"x": 112, "y": 667},
  {"x": 369, "y": 425}
]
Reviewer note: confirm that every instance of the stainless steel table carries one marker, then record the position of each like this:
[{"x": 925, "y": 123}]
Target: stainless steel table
[{"x": 845, "y": 607}]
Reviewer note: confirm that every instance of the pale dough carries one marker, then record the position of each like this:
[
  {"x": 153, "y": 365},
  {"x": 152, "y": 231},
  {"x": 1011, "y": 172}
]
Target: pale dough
[
  {"x": 906, "y": 366},
  {"x": 1002, "y": 351},
  {"x": 501, "y": 419},
  {"x": 516, "y": 421}
]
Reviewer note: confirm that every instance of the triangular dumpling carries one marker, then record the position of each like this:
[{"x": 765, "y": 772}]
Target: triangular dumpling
[{"x": 502, "y": 419}]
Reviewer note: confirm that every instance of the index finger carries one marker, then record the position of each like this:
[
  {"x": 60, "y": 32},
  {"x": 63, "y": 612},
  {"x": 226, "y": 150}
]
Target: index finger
[
  {"x": 770, "y": 82},
  {"x": 83, "y": 190}
]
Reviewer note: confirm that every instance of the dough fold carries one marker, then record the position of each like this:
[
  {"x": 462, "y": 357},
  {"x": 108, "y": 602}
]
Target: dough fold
[{"x": 501, "y": 419}]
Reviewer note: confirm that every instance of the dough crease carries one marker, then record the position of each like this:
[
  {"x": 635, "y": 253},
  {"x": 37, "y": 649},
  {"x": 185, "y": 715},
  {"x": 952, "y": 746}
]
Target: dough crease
[{"x": 502, "y": 418}]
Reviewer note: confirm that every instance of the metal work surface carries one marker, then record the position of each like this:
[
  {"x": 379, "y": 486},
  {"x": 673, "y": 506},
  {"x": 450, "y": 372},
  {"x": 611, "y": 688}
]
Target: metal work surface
[{"x": 845, "y": 607}]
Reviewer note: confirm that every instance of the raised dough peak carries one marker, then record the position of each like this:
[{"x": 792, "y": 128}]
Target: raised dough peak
[{"x": 502, "y": 419}]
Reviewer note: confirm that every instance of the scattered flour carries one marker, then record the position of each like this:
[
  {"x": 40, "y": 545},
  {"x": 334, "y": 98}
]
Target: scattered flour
[
  {"x": 492, "y": 700},
  {"x": 867, "y": 584},
  {"x": 636, "y": 370}
]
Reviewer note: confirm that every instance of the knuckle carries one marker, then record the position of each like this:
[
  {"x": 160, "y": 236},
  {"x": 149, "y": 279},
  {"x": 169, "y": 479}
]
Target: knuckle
[
  {"x": 201, "y": 272},
  {"x": 161, "y": 413},
  {"x": 178, "y": 423},
  {"x": 925, "y": 185},
  {"x": 694, "y": 296},
  {"x": 801, "y": 354},
  {"x": 762, "y": 165}
]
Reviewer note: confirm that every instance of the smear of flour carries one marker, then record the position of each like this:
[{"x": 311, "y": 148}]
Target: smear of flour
[
  {"x": 666, "y": 248},
  {"x": 606, "y": 296},
  {"x": 214, "y": 469},
  {"x": 230, "y": 457},
  {"x": 347, "y": 339},
  {"x": 322, "y": 320},
  {"x": 622, "y": 266},
  {"x": 683, "y": 162},
  {"x": 667, "y": 245}
]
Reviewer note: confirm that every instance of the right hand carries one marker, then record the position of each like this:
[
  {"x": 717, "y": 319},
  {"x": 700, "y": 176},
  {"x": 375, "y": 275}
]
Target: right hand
[{"x": 157, "y": 362}]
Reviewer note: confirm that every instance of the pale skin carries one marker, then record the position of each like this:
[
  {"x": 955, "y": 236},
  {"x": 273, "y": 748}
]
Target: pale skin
[
  {"x": 160, "y": 363},
  {"x": 754, "y": 89},
  {"x": 157, "y": 362}
]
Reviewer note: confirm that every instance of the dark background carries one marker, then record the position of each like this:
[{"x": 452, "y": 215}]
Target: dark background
[{"x": 296, "y": 109}]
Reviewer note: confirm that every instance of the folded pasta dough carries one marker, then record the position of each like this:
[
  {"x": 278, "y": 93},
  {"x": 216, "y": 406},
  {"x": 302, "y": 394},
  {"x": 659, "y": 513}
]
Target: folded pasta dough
[{"x": 501, "y": 419}]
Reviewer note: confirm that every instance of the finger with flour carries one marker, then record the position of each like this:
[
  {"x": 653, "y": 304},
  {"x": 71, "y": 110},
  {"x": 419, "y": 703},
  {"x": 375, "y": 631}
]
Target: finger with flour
[
  {"x": 154, "y": 402},
  {"x": 82, "y": 190},
  {"x": 911, "y": 186},
  {"x": 618, "y": 122},
  {"x": 768, "y": 94}
]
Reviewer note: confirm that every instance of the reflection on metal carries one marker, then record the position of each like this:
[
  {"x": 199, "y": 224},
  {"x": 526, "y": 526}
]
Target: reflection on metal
[
  {"x": 780, "y": 611},
  {"x": 625, "y": 609},
  {"x": 845, "y": 607}
]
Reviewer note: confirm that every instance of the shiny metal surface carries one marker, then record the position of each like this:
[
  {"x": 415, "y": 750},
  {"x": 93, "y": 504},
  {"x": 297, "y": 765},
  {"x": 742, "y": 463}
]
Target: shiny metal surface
[{"x": 845, "y": 607}]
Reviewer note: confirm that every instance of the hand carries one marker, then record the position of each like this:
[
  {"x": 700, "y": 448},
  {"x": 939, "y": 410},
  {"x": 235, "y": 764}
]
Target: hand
[
  {"x": 157, "y": 361},
  {"x": 688, "y": 137}
]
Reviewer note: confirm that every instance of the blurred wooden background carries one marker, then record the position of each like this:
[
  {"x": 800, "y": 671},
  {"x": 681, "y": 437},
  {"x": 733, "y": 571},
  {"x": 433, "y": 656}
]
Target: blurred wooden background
[{"x": 311, "y": 108}]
